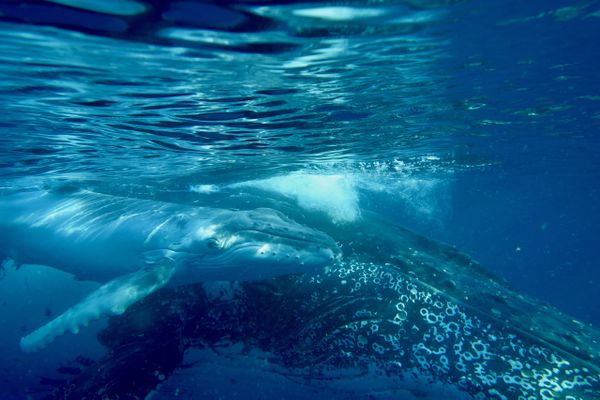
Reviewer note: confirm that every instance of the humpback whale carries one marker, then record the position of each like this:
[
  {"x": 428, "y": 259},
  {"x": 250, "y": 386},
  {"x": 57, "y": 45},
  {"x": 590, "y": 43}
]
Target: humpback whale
[
  {"x": 399, "y": 317},
  {"x": 137, "y": 246}
]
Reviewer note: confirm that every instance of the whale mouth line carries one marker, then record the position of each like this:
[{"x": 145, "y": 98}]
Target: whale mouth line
[
  {"x": 282, "y": 236},
  {"x": 230, "y": 254}
]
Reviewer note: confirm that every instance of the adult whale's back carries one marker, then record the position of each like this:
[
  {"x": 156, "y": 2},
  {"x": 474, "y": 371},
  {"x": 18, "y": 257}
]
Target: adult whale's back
[
  {"x": 137, "y": 246},
  {"x": 400, "y": 317}
]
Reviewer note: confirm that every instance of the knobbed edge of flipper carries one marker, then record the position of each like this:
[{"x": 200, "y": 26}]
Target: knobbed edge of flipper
[{"x": 113, "y": 298}]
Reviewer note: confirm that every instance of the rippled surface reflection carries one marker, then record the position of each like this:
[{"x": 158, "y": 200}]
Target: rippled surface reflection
[{"x": 281, "y": 87}]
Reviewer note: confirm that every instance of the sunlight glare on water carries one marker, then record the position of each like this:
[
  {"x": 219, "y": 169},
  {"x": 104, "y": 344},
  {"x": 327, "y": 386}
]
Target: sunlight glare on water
[{"x": 153, "y": 110}]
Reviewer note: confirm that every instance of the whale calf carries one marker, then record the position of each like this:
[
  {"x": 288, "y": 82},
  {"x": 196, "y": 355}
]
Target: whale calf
[
  {"x": 137, "y": 246},
  {"x": 400, "y": 317}
]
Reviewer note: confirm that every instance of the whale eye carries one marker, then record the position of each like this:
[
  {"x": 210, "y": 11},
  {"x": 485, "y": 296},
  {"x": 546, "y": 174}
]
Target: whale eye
[{"x": 212, "y": 243}]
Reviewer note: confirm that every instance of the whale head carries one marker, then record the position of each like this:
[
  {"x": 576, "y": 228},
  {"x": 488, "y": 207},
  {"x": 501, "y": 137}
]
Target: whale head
[{"x": 253, "y": 245}]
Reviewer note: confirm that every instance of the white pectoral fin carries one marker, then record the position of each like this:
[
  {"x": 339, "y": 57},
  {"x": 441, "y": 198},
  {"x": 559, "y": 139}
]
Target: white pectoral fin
[{"x": 112, "y": 298}]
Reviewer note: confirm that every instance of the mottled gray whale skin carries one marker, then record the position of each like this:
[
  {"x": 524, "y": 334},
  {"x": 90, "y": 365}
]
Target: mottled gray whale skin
[
  {"x": 137, "y": 246},
  {"x": 410, "y": 319}
]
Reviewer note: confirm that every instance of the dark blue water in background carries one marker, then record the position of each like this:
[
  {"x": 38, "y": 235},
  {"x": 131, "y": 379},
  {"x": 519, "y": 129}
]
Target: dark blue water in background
[
  {"x": 477, "y": 121},
  {"x": 534, "y": 217}
]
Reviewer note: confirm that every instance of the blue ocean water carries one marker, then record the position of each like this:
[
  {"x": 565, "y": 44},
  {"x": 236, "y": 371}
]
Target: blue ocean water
[{"x": 474, "y": 124}]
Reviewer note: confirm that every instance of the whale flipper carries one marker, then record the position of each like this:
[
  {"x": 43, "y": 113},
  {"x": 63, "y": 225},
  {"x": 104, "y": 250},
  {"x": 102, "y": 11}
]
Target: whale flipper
[{"x": 112, "y": 298}]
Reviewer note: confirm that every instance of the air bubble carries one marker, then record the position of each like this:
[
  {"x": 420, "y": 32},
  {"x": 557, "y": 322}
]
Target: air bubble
[
  {"x": 450, "y": 311},
  {"x": 452, "y": 327},
  {"x": 432, "y": 318},
  {"x": 547, "y": 394},
  {"x": 567, "y": 385},
  {"x": 478, "y": 347},
  {"x": 401, "y": 316},
  {"x": 378, "y": 348}
]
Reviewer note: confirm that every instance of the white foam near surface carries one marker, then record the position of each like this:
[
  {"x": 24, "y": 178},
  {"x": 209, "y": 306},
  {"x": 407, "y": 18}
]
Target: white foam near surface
[
  {"x": 419, "y": 196},
  {"x": 337, "y": 193},
  {"x": 204, "y": 189},
  {"x": 339, "y": 13},
  {"x": 334, "y": 194}
]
